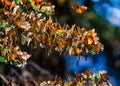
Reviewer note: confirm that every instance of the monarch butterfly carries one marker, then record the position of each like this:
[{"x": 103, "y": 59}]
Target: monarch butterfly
[
  {"x": 87, "y": 72},
  {"x": 79, "y": 9},
  {"x": 6, "y": 2},
  {"x": 104, "y": 77},
  {"x": 58, "y": 80},
  {"x": 78, "y": 76}
]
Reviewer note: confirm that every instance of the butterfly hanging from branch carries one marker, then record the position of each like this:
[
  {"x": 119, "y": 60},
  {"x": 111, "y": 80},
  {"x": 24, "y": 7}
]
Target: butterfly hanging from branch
[{"x": 79, "y": 9}]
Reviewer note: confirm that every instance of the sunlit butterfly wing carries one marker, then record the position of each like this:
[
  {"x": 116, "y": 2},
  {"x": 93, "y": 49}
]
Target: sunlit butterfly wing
[{"x": 79, "y": 9}]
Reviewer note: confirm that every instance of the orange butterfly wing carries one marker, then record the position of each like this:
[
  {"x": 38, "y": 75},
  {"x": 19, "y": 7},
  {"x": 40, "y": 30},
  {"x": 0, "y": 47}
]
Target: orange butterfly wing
[
  {"x": 37, "y": 1},
  {"x": 6, "y": 2},
  {"x": 79, "y": 9}
]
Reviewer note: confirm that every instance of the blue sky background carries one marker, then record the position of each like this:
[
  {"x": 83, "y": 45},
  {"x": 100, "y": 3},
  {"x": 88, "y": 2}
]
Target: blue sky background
[{"x": 108, "y": 9}]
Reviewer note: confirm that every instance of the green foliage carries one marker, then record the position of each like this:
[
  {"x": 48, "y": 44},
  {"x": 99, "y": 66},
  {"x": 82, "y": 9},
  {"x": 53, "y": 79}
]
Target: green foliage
[
  {"x": 3, "y": 59},
  {"x": 3, "y": 24}
]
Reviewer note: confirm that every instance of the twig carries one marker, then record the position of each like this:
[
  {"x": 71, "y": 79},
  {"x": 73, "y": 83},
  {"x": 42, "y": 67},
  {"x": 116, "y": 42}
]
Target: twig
[
  {"x": 3, "y": 78},
  {"x": 40, "y": 69},
  {"x": 13, "y": 71}
]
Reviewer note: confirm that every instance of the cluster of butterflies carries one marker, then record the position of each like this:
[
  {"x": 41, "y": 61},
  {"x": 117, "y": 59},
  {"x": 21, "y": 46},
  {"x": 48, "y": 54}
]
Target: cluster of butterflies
[
  {"x": 82, "y": 79},
  {"x": 28, "y": 28},
  {"x": 31, "y": 3},
  {"x": 8, "y": 3}
]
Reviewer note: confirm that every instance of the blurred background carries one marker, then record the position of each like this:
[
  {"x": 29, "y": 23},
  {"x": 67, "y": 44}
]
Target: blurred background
[{"x": 104, "y": 16}]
